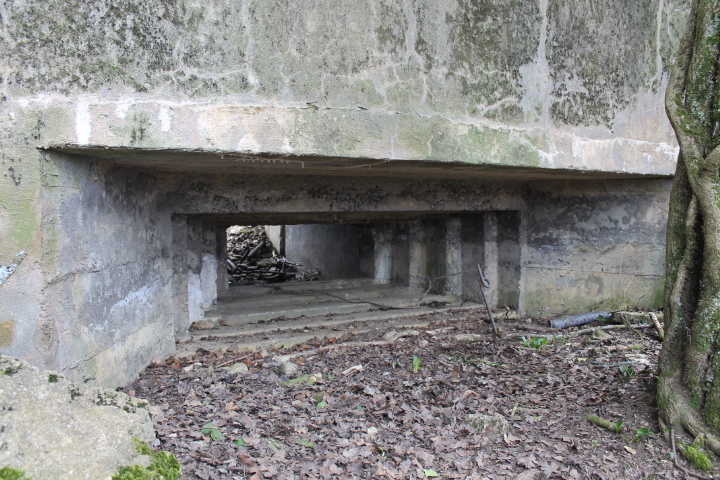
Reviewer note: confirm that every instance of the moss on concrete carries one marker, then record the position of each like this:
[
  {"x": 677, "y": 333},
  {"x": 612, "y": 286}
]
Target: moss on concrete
[
  {"x": 164, "y": 466},
  {"x": 8, "y": 473}
]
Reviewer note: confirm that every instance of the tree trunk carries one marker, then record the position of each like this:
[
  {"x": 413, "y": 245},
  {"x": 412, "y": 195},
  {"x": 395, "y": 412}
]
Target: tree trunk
[{"x": 689, "y": 382}]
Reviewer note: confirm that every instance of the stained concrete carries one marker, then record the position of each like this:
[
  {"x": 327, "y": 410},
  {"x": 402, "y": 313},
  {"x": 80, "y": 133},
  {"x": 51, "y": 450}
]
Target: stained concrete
[
  {"x": 130, "y": 134},
  {"x": 53, "y": 428},
  {"x": 254, "y": 317}
]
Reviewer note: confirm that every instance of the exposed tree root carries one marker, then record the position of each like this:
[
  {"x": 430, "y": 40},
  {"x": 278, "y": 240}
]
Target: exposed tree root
[
  {"x": 682, "y": 468},
  {"x": 677, "y": 415}
]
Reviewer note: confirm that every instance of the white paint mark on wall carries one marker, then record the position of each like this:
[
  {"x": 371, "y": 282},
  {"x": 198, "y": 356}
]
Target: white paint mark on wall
[
  {"x": 122, "y": 109},
  {"x": 165, "y": 115},
  {"x": 208, "y": 280},
  {"x": 6, "y": 271},
  {"x": 535, "y": 78},
  {"x": 248, "y": 144},
  {"x": 137, "y": 298},
  {"x": 196, "y": 312},
  {"x": 83, "y": 122}
]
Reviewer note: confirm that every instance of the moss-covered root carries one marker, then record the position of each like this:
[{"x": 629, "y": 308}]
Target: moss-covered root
[
  {"x": 164, "y": 466},
  {"x": 675, "y": 413},
  {"x": 697, "y": 457},
  {"x": 601, "y": 422}
]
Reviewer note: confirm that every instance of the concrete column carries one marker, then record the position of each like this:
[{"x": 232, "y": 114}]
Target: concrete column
[
  {"x": 508, "y": 241},
  {"x": 383, "y": 254},
  {"x": 453, "y": 256},
  {"x": 180, "y": 275},
  {"x": 490, "y": 270},
  {"x": 473, "y": 253},
  {"x": 276, "y": 235},
  {"x": 417, "y": 253},
  {"x": 223, "y": 282},
  {"x": 523, "y": 235}
]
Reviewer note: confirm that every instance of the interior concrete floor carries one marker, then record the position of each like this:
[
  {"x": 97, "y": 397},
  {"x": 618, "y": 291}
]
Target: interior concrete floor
[{"x": 259, "y": 316}]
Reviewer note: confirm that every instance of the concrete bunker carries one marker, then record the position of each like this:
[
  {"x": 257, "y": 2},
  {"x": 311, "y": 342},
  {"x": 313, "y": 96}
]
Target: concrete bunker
[
  {"x": 149, "y": 227},
  {"x": 429, "y": 252}
]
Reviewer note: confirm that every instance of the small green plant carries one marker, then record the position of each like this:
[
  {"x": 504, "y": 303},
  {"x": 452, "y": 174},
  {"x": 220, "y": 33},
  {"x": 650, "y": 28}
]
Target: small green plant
[
  {"x": 628, "y": 371},
  {"x": 321, "y": 404},
  {"x": 240, "y": 442},
  {"x": 52, "y": 378},
  {"x": 641, "y": 433},
  {"x": 164, "y": 466},
  {"x": 8, "y": 473},
  {"x": 383, "y": 453},
  {"x": 595, "y": 444},
  {"x": 213, "y": 431},
  {"x": 429, "y": 472},
  {"x": 416, "y": 363},
  {"x": 305, "y": 443},
  {"x": 535, "y": 342}
]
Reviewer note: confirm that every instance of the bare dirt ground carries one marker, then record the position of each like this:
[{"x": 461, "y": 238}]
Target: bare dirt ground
[{"x": 415, "y": 405}]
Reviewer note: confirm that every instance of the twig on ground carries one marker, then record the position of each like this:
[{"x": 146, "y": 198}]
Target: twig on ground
[
  {"x": 658, "y": 326},
  {"x": 606, "y": 327},
  {"x": 627, "y": 324}
]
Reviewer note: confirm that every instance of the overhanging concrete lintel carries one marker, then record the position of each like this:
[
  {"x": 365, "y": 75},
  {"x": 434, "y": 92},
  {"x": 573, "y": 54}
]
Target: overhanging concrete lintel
[{"x": 236, "y": 162}]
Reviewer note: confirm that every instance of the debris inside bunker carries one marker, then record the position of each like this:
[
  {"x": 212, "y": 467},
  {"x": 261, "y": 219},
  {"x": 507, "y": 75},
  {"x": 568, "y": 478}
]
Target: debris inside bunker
[
  {"x": 415, "y": 403},
  {"x": 251, "y": 259}
]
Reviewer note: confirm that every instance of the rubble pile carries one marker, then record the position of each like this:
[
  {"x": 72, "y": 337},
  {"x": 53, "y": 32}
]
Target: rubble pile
[{"x": 252, "y": 259}]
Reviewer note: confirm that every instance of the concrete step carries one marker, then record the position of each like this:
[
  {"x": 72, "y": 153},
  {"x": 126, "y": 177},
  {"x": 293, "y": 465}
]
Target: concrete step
[
  {"x": 260, "y": 313},
  {"x": 356, "y": 296},
  {"x": 319, "y": 285},
  {"x": 269, "y": 301},
  {"x": 289, "y": 332}
]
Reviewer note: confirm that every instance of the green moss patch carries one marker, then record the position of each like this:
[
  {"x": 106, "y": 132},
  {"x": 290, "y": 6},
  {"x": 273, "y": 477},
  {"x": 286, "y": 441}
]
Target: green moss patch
[
  {"x": 164, "y": 466},
  {"x": 7, "y": 473},
  {"x": 698, "y": 458}
]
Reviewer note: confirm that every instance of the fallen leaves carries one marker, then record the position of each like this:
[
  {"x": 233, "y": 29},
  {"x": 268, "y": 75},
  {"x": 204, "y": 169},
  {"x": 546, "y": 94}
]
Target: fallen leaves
[{"x": 361, "y": 410}]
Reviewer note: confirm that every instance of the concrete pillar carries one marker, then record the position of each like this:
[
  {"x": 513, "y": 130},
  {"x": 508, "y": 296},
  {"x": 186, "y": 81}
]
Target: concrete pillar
[
  {"x": 473, "y": 253},
  {"x": 417, "y": 255},
  {"x": 223, "y": 282},
  {"x": 382, "y": 237},
  {"x": 180, "y": 275},
  {"x": 332, "y": 249},
  {"x": 490, "y": 270},
  {"x": 453, "y": 256},
  {"x": 522, "y": 239},
  {"x": 276, "y": 235},
  {"x": 508, "y": 241}
]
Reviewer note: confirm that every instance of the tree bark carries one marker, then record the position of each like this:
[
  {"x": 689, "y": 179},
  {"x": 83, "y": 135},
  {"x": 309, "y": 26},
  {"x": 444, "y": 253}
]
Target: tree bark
[{"x": 689, "y": 380}]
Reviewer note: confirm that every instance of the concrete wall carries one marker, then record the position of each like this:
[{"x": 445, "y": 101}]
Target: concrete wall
[
  {"x": 225, "y": 108},
  {"x": 330, "y": 249}
]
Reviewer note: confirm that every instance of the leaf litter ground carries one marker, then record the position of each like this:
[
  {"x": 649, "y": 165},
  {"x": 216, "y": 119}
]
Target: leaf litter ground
[{"x": 415, "y": 404}]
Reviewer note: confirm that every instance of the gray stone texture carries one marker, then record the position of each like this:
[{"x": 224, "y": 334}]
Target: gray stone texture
[{"x": 53, "y": 428}]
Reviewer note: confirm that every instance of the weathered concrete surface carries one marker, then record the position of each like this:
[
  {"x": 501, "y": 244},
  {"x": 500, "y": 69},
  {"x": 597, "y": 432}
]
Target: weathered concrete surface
[
  {"x": 461, "y": 92},
  {"x": 53, "y": 428},
  {"x": 543, "y": 83}
]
